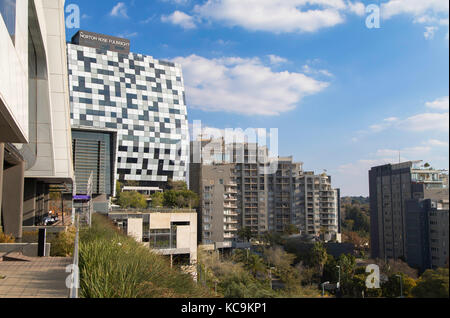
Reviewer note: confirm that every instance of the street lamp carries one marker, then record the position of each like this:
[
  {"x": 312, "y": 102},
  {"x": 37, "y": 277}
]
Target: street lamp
[
  {"x": 338, "y": 286},
  {"x": 270, "y": 276},
  {"x": 323, "y": 288},
  {"x": 401, "y": 285}
]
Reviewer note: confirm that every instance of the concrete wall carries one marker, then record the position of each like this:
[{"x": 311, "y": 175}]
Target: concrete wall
[
  {"x": 27, "y": 249},
  {"x": 186, "y": 235},
  {"x": 14, "y": 78},
  {"x": 52, "y": 121},
  {"x": 134, "y": 229}
]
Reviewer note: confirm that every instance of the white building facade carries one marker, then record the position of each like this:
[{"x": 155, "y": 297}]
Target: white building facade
[{"x": 35, "y": 135}]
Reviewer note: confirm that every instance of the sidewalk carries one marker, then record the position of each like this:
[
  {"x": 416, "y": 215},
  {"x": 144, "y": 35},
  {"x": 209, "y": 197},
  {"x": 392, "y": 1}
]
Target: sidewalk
[{"x": 39, "y": 278}]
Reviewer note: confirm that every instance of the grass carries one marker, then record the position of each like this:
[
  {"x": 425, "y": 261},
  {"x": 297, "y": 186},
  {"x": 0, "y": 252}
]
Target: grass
[
  {"x": 113, "y": 265},
  {"x": 4, "y": 238}
]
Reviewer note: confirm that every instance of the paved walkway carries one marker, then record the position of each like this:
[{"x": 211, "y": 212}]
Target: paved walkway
[{"x": 40, "y": 278}]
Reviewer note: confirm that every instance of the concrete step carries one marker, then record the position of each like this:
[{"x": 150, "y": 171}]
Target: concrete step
[{"x": 16, "y": 257}]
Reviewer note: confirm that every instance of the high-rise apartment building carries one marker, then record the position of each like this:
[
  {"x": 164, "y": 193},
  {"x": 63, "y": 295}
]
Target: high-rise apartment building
[
  {"x": 390, "y": 187},
  {"x": 319, "y": 206},
  {"x": 265, "y": 201},
  {"x": 35, "y": 136},
  {"x": 218, "y": 217},
  {"x": 140, "y": 98}
]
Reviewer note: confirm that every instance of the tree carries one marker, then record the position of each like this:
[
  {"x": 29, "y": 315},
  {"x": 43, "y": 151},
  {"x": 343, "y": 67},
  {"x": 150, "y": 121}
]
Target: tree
[
  {"x": 157, "y": 199},
  {"x": 392, "y": 267},
  {"x": 391, "y": 288},
  {"x": 245, "y": 233},
  {"x": 180, "y": 199},
  {"x": 306, "y": 274},
  {"x": 255, "y": 264},
  {"x": 347, "y": 268},
  {"x": 291, "y": 229},
  {"x": 177, "y": 185},
  {"x": 355, "y": 239},
  {"x": 360, "y": 220},
  {"x": 131, "y": 199},
  {"x": 359, "y": 288},
  {"x": 432, "y": 284},
  {"x": 318, "y": 257},
  {"x": 278, "y": 257},
  {"x": 119, "y": 187},
  {"x": 170, "y": 199}
]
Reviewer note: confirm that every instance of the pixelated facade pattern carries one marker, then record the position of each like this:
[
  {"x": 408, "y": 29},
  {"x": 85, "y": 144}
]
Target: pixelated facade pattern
[{"x": 140, "y": 97}]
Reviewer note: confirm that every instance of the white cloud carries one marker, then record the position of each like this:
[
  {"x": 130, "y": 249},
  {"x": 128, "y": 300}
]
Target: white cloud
[
  {"x": 417, "y": 8},
  {"x": 437, "y": 143},
  {"x": 406, "y": 154},
  {"x": 353, "y": 178},
  {"x": 439, "y": 104},
  {"x": 180, "y": 18},
  {"x": 309, "y": 70},
  {"x": 274, "y": 59},
  {"x": 437, "y": 122},
  {"x": 429, "y": 32},
  {"x": 426, "y": 122},
  {"x": 431, "y": 12},
  {"x": 357, "y": 8},
  {"x": 180, "y": 2},
  {"x": 119, "y": 10},
  {"x": 391, "y": 119},
  {"x": 128, "y": 35},
  {"x": 279, "y": 16},
  {"x": 245, "y": 86}
]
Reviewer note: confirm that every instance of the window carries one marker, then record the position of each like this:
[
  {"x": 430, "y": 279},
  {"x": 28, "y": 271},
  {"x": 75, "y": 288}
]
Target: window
[
  {"x": 160, "y": 239},
  {"x": 8, "y": 13}
]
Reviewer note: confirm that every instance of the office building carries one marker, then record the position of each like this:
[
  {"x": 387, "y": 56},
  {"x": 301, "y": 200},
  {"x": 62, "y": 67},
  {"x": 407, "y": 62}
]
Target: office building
[
  {"x": 35, "y": 135},
  {"x": 95, "y": 156},
  {"x": 390, "y": 187},
  {"x": 140, "y": 98},
  {"x": 427, "y": 231}
]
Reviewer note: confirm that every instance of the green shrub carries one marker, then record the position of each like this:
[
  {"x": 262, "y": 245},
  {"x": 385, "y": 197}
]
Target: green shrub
[{"x": 113, "y": 265}]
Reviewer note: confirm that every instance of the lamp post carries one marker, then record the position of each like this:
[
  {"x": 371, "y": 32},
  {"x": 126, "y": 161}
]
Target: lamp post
[
  {"x": 401, "y": 285},
  {"x": 323, "y": 288},
  {"x": 270, "y": 276},
  {"x": 338, "y": 286}
]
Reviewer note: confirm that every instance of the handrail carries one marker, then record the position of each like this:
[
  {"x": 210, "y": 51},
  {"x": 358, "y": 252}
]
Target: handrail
[{"x": 75, "y": 269}]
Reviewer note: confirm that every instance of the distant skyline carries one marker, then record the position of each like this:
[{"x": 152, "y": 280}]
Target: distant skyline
[{"x": 344, "y": 97}]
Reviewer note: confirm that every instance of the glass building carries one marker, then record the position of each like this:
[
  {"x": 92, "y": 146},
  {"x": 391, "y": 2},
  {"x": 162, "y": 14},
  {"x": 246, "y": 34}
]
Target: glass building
[
  {"x": 139, "y": 97},
  {"x": 94, "y": 153}
]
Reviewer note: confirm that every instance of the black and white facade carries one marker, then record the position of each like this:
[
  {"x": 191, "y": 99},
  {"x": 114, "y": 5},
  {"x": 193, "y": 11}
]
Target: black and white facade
[{"x": 142, "y": 99}]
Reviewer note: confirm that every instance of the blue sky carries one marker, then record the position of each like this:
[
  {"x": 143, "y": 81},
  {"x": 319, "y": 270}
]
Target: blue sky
[{"x": 344, "y": 97}]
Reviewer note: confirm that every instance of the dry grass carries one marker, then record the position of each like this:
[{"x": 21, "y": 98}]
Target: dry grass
[{"x": 4, "y": 238}]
